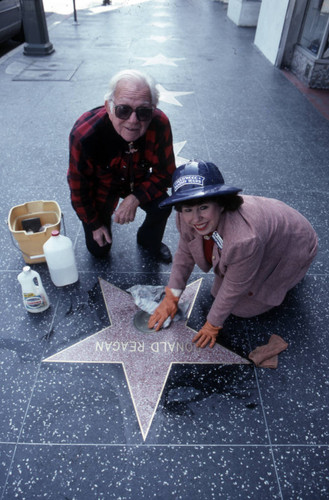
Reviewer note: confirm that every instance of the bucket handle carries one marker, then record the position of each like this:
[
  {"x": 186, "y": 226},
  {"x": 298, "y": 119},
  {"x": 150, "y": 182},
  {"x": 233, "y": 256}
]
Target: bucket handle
[{"x": 34, "y": 257}]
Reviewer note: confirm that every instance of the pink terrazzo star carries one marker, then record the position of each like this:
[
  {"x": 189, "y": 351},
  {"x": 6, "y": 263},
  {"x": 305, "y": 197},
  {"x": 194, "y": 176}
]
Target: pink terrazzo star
[{"x": 146, "y": 357}]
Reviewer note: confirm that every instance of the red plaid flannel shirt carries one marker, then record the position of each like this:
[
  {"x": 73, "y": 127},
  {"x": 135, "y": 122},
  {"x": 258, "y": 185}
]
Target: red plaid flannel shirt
[{"x": 100, "y": 166}]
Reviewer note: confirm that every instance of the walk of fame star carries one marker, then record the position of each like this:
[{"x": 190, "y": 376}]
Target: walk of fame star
[
  {"x": 161, "y": 14},
  {"x": 146, "y": 358},
  {"x": 161, "y": 25},
  {"x": 169, "y": 96},
  {"x": 160, "y": 39},
  {"x": 161, "y": 59}
]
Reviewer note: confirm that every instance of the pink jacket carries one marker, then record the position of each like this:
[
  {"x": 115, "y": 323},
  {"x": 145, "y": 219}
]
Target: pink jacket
[{"x": 267, "y": 249}]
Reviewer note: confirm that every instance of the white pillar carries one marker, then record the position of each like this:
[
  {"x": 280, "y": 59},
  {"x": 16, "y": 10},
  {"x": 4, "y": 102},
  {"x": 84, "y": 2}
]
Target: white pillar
[{"x": 244, "y": 12}]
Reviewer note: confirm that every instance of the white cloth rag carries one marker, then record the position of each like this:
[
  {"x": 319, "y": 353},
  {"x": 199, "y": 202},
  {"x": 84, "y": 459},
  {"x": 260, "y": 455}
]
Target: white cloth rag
[{"x": 148, "y": 297}]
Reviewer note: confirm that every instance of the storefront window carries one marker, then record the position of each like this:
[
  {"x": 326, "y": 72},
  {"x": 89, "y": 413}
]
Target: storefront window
[{"x": 315, "y": 30}]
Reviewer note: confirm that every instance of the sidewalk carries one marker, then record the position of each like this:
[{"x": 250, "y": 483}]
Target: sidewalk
[{"x": 70, "y": 428}]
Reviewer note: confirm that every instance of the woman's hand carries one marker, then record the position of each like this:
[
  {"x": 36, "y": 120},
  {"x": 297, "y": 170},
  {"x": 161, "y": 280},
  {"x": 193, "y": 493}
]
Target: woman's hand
[
  {"x": 168, "y": 307},
  {"x": 208, "y": 333}
]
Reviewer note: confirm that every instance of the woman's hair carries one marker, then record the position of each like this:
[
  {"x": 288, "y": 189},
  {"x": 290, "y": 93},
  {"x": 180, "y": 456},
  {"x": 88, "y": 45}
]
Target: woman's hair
[
  {"x": 133, "y": 75},
  {"x": 230, "y": 202}
]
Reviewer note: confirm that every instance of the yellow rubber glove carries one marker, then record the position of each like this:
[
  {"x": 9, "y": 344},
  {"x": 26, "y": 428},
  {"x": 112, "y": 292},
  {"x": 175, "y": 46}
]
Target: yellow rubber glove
[
  {"x": 168, "y": 307},
  {"x": 208, "y": 333}
]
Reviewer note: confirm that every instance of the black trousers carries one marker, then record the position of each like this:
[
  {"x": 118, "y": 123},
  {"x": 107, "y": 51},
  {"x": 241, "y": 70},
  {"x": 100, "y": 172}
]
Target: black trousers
[{"x": 149, "y": 235}]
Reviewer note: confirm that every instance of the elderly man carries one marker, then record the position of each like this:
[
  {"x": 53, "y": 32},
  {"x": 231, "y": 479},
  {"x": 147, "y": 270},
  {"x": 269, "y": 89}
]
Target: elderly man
[{"x": 123, "y": 150}]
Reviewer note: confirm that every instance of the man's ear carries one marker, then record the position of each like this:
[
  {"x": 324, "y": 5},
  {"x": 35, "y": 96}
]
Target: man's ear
[{"x": 108, "y": 108}]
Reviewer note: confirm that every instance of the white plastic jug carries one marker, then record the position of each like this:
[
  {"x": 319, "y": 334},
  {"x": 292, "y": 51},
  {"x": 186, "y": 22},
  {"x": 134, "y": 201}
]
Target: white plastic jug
[
  {"x": 34, "y": 295},
  {"x": 59, "y": 254}
]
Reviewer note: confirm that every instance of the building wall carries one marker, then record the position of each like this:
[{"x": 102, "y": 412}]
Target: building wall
[{"x": 270, "y": 26}]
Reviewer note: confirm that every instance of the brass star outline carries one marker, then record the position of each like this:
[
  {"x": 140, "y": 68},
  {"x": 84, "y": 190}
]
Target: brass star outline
[{"x": 146, "y": 358}]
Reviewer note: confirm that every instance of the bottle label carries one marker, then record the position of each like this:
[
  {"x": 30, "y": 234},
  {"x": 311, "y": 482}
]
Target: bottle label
[{"x": 33, "y": 302}]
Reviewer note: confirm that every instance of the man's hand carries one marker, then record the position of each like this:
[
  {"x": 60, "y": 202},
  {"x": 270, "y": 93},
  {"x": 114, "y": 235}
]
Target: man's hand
[
  {"x": 208, "y": 333},
  {"x": 126, "y": 211},
  {"x": 102, "y": 236},
  {"x": 168, "y": 307}
]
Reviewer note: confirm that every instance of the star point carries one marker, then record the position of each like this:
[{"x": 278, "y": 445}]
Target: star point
[{"x": 179, "y": 160}]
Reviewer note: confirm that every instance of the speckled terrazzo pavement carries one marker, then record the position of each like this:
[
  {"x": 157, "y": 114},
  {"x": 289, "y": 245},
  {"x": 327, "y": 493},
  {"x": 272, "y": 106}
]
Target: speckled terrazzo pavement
[{"x": 71, "y": 428}]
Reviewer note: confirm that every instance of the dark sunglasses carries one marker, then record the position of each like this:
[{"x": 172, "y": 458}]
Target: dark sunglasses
[{"x": 123, "y": 112}]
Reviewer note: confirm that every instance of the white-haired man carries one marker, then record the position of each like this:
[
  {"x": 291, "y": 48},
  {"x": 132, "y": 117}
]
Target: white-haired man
[{"x": 123, "y": 150}]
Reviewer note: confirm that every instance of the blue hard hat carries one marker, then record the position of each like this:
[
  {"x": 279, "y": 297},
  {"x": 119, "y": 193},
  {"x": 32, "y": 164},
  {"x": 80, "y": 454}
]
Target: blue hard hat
[{"x": 197, "y": 179}]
